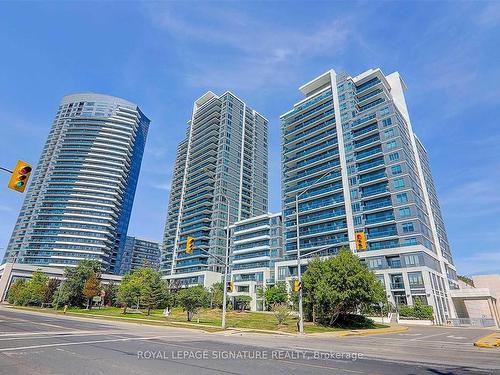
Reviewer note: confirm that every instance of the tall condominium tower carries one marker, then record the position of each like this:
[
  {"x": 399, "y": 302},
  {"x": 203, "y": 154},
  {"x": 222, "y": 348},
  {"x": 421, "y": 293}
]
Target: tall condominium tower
[
  {"x": 350, "y": 153},
  {"x": 80, "y": 198},
  {"x": 222, "y": 161},
  {"x": 138, "y": 253}
]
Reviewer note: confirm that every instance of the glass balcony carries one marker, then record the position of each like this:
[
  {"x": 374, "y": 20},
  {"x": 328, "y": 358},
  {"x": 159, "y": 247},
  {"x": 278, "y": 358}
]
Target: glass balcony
[
  {"x": 397, "y": 285},
  {"x": 371, "y": 151},
  {"x": 364, "y": 130},
  {"x": 312, "y": 130},
  {"x": 367, "y": 141},
  {"x": 371, "y": 164},
  {"x": 309, "y": 103},
  {"x": 311, "y": 140},
  {"x": 367, "y": 85}
]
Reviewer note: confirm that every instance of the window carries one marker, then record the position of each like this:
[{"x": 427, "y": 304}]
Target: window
[
  {"x": 394, "y": 156},
  {"x": 411, "y": 260},
  {"x": 357, "y": 220},
  {"x": 354, "y": 193},
  {"x": 391, "y": 144},
  {"x": 374, "y": 263},
  {"x": 352, "y": 180},
  {"x": 384, "y": 111},
  {"x": 404, "y": 212},
  {"x": 387, "y": 121},
  {"x": 396, "y": 169},
  {"x": 402, "y": 198},
  {"x": 415, "y": 279},
  {"x": 408, "y": 227},
  {"x": 356, "y": 207},
  {"x": 389, "y": 133},
  {"x": 411, "y": 241},
  {"x": 399, "y": 183}
]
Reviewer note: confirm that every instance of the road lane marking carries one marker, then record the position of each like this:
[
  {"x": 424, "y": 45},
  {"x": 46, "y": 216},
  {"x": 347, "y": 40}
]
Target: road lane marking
[
  {"x": 429, "y": 336},
  {"x": 13, "y": 320},
  {"x": 83, "y": 343},
  {"x": 54, "y": 335}
]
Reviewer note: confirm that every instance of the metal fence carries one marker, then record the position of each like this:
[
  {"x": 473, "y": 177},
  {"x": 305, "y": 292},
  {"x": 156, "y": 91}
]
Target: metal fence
[{"x": 474, "y": 322}]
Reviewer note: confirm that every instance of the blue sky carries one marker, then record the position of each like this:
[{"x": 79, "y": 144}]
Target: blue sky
[{"x": 165, "y": 55}]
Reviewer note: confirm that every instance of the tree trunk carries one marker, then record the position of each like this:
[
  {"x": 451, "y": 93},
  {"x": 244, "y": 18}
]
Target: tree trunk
[
  {"x": 189, "y": 316},
  {"x": 124, "y": 309},
  {"x": 314, "y": 313},
  {"x": 149, "y": 311},
  {"x": 88, "y": 303}
]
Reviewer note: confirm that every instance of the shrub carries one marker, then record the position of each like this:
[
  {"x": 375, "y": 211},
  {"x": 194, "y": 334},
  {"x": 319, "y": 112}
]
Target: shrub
[
  {"x": 417, "y": 311},
  {"x": 281, "y": 312}
]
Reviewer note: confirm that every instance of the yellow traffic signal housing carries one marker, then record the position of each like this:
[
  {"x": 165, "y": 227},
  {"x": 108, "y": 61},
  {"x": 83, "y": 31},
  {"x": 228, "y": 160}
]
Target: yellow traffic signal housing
[
  {"x": 360, "y": 240},
  {"x": 230, "y": 286},
  {"x": 189, "y": 245},
  {"x": 297, "y": 285},
  {"x": 20, "y": 175}
]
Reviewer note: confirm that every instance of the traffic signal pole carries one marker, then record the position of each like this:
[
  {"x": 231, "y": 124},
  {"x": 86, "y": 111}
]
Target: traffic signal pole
[
  {"x": 226, "y": 269},
  {"x": 6, "y": 170}
]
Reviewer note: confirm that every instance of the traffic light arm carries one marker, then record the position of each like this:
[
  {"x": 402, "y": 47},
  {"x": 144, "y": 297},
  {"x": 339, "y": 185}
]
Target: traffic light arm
[
  {"x": 320, "y": 249},
  {"x": 6, "y": 170},
  {"x": 215, "y": 257}
]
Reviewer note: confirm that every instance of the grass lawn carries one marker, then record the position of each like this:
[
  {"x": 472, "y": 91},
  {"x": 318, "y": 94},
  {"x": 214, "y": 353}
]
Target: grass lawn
[{"x": 209, "y": 318}]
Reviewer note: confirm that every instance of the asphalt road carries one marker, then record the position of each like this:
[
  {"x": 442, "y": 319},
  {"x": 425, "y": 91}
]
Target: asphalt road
[{"x": 33, "y": 343}]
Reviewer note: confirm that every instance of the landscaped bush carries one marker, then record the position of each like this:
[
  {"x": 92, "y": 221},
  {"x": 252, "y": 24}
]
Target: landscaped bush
[
  {"x": 418, "y": 311},
  {"x": 354, "y": 321}
]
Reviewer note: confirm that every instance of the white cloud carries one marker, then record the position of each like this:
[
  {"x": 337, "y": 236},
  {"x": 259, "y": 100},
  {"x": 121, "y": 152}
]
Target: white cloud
[
  {"x": 161, "y": 186},
  {"x": 261, "y": 51}
]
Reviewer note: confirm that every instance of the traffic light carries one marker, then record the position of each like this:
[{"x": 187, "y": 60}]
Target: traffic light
[
  {"x": 189, "y": 245},
  {"x": 297, "y": 285},
  {"x": 20, "y": 176},
  {"x": 360, "y": 241},
  {"x": 230, "y": 286}
]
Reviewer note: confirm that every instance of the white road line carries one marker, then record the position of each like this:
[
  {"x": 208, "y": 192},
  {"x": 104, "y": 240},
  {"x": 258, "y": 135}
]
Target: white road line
[
  {"x": 426, "y": 337},
  {"x": 59, "y": 335},
  {"x": 53, "y": 333},
  {"x": 82, "y": 343},
  {"x": 13, "y": 320}
]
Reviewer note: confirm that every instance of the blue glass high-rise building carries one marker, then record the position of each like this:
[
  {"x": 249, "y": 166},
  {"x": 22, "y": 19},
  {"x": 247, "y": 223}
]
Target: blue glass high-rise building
[{"x": 80, "y": 198}]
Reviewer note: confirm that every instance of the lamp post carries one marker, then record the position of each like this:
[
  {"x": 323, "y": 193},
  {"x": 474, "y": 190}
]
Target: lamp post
[
  {"x": 226, "y": 269},
  {"x": 299, "y": 271}
]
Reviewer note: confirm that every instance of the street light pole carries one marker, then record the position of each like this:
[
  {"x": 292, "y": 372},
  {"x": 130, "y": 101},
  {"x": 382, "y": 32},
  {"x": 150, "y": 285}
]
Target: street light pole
[
  {"x": 299, "y": 271},
  {"x": 226, "y": 269}
]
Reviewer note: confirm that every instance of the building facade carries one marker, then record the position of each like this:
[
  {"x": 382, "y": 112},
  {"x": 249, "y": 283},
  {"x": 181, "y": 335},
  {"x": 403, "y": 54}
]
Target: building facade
[
  {"x": 80, "y": 197},
  {"x": 139, "y": 253},
  {"x": 256, "y": 244},
  {"x": 221, "y": 163},
  {"x": 349, "y": 152}
]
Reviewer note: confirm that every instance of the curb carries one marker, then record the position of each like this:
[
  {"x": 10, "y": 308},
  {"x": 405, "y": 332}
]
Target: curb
[
  {"x": 379, "y": 331},
  {"x": 490, "y": 341}
]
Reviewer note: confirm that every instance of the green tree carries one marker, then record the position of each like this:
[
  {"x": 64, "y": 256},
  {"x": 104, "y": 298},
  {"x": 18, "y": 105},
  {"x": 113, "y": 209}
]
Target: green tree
[
  {"x": 152, "y": 289},
  {"x": 276, "y": 294},
  {"x": 243, "y": 302},
  {"x": 192, "y": 299},
  {"x": 129, "y": 291},
  {"x": 91, "y": 288},
  {"x": 50, "y": 290},
  {"x": 70, "y": 292},
  {"x": 37, "y": 287},
  {"x": 310, "y": 281},
  {"x": 17, "y": 292},
  {"x": 216, "y": 295},
  {"x": 344, "y": 286}
]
